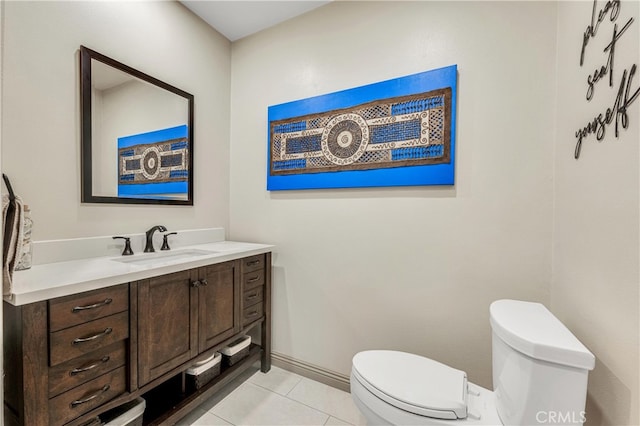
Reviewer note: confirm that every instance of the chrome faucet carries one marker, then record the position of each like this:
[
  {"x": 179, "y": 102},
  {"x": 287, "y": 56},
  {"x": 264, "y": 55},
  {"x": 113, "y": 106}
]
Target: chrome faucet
[{"x": 149, "y": 247}]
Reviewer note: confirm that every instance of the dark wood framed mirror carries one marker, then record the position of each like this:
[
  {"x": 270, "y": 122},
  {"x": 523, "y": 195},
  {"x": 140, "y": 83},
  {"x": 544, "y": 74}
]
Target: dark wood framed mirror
[{"x": 136, "y": 135}]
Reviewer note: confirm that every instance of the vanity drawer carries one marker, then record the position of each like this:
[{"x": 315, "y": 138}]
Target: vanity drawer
[
  {"x": 85, "y": 338},
  {"x": 68, "y": 311},
  {"x": 252, "y": 279},
  {"x": 252, "y": 296},
  {"x": 253, "y": 263},
  {"x": 79, "y": 370},
  {"x": 84, "y": 398},
  {"x": 252, "y": 313}
]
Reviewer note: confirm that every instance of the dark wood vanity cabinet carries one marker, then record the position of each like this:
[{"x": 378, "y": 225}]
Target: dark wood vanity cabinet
[
  {"x": 252, "y": 288},
  {"x": 66, "y": 356},
  {"x": 218, "y": 303},
  {"x": 184, "y": 314},
  {"x": 166, "y": 323},
  {"x": 70, "y": 359}
]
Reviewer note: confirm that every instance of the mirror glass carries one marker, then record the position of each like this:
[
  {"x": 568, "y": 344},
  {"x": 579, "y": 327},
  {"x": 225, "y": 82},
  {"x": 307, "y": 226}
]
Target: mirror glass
[{"x": 137, "y": 135}]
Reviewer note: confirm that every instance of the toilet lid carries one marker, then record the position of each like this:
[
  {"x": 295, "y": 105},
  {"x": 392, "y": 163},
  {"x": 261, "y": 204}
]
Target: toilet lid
[{"x": 413, "y": 383}]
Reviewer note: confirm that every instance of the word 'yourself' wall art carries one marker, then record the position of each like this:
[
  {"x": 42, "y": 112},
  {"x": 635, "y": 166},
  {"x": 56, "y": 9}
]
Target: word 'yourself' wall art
[{"x": 397, "y": 132}]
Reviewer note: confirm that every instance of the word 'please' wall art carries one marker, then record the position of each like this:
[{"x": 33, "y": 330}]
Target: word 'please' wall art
[{"x": 397, "y": 132}]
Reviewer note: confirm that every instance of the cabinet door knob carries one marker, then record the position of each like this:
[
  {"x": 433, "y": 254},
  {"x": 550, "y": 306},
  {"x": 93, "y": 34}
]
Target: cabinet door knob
[
  {"x": 195, "y": 283},
  {"x": 204, "y": 281}
]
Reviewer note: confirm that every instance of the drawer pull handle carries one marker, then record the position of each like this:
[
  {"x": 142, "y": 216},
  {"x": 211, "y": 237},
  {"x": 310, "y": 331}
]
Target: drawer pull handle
[
  {"x": 254, "y": 279},
  {"x": 94, "y": 337},
  {"x": 77, "y": 402},
  {"x": 252, "y": 314},
  {"x": 252, "y": 296},
  {"x": 253, "y": 262},
  {"x": 95, "y": 305},
  {"x": 89, "y": 367}
]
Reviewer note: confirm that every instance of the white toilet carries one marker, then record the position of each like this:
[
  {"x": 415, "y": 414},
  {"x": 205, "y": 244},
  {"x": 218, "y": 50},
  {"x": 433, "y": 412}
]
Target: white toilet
[{"x": 540, "y": 375}]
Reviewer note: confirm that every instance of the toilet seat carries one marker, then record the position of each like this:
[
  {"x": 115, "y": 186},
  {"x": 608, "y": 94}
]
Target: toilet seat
[{"x": 413, "y": 383}]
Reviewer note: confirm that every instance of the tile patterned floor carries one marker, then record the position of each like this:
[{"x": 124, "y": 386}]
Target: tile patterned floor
[{"x": 276, "y": 398}]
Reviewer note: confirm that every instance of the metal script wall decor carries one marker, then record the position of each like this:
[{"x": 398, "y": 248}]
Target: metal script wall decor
[
  {"x": 625, "y": 96},
  {"x": 392, "y": 133}
]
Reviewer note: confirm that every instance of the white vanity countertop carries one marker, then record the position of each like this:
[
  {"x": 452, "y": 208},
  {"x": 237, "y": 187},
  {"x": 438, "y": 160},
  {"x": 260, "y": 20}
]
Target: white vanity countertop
[{"x": 51, "y": 280}]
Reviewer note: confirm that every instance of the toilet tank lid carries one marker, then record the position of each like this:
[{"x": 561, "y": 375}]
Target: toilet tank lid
[{"x": 531, "y": 329}]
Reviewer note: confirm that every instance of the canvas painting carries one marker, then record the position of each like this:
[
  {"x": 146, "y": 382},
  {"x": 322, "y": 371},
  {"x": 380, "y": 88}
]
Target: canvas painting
[{"x": 398, "y": 132}]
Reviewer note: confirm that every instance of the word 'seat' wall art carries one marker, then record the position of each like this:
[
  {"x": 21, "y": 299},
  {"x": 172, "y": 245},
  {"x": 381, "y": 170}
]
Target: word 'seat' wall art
[{"x": 398, "y": 132}]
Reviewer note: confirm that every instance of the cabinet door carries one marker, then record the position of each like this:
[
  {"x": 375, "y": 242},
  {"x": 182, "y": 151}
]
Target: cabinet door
[
  {"x": 219, "y": 303},
  {"x": 167, "y": 324}
]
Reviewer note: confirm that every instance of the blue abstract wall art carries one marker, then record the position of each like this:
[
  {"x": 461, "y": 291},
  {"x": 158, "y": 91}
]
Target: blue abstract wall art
[
  {"x": 154, "y": 164},
  {"x": 398, "y": 132}
]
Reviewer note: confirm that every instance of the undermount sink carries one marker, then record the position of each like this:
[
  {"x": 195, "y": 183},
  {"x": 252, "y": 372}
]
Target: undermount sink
[{"x": 163, "y": 257}]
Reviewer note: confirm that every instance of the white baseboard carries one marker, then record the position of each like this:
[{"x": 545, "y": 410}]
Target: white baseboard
[{"x": 310, "y": 371}]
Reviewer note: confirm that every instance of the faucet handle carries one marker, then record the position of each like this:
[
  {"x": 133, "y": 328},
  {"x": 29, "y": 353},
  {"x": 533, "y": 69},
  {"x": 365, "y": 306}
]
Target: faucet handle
[
  {"x": 165, "y": 243},
  {"x": 127, "y": 245}
]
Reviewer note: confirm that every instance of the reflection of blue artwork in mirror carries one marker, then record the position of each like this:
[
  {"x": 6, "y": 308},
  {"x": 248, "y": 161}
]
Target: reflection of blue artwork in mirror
[
  {"x": 154, "y": 164},
  {"x": 398, "y": 132}
]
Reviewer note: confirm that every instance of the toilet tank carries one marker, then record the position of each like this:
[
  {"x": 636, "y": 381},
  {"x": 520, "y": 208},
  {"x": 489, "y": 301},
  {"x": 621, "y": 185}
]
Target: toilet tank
[{"x": 540, "y": 368}]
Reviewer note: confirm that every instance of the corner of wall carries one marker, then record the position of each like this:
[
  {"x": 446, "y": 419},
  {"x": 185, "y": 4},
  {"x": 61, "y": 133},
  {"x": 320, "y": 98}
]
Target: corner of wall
[{"x": 595, "y": 280}]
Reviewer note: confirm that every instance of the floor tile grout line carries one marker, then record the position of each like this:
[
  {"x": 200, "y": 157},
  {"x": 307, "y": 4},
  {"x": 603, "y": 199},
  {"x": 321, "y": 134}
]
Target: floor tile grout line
[
  {"x": 279, "y": 394},
  {"x": 214, "y": 415},
  {"x": 337, "y": 418},
  {"x": 294, "y": 386},
  {"x": 271, "y": 390},
  {"x": 297, "y": 402},
  {"x": 220, "y": 417},
  {"x": 210, "y": 410},
  {"x": 304, "y": 404},
  {"x": 300, "y": 402},
  {"x": 300, "y": 380},
  {"x": 319, "y": 410}
]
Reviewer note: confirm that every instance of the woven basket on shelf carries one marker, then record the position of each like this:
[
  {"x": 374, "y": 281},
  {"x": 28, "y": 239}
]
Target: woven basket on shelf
[{"x": 236, "y": 351}]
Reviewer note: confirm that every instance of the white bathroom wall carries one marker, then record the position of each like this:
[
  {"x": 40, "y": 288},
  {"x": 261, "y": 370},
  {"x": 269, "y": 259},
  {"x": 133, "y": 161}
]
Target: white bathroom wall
[
  {"x": 411, "y": 269},
  {"x": 41, "y": 124},
  {"x": 596, "y": 278}
]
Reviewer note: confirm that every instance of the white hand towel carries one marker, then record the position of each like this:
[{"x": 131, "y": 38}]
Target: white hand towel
[{"x": 14, "y": 235}]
